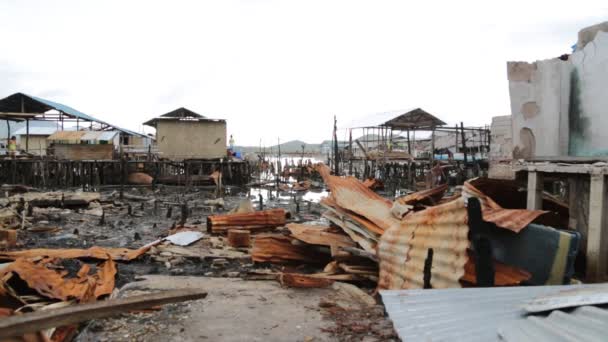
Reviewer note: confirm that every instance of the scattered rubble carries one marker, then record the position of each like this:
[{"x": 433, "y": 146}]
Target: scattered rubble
[{"x": 79, "y": 247}]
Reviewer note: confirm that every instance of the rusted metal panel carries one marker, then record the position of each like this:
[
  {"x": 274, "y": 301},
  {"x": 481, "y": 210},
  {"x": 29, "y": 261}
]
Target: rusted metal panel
[
  {"x": 279, "y": 249},
  {"x": 351, "y": 194},
  {"x": 99, "y": 253},
  {"x": 429, "y": 197},
  {"x": 258, "y": 220},
  {"x": 504, "y": 275},
  {"x": 53, "y": 284},
  {"x": 67, "y": 137},
  {"x": 319, "y": 235},
  {"x": 78, "y": 137},
  {"x": 512, "y": 219},
  {"x": 403, "y": 248}
]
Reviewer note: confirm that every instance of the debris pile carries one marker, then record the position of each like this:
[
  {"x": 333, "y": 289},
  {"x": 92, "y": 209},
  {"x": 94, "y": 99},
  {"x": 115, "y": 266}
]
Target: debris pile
[
  {"x": 418, "y": 241},
  {"x": 360, "y": 243}
]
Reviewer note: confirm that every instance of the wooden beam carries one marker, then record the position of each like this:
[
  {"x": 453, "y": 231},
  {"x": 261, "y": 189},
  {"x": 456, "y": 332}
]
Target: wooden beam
[
  {"x": 31, "y": 322},
  {"x": 535, "y": 190},
  {"x": 597, "y": 248},
  {"x": 362, "y": 148}
]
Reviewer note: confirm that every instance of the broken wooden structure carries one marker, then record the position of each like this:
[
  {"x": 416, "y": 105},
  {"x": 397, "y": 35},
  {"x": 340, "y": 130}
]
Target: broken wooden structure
[
  {"x": 91, "y": 174},
  {"x": 388, "y": 149}
]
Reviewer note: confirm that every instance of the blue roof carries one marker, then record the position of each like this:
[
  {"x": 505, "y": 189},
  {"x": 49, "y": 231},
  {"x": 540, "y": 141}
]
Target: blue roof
[
  {"x": 66, "y": 109},
  {"x": 74, "y": 113}
]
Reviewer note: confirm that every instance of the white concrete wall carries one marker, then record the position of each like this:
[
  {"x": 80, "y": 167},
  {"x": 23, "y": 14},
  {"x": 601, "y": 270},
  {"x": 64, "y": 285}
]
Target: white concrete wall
[
  {"x": 501, "y": 143},
  {"x": 178, "y": 140},
  {"x": 561, "y": 107},
  {"x": 539, "y": 94},
  {"x": 590, "y": 137}
]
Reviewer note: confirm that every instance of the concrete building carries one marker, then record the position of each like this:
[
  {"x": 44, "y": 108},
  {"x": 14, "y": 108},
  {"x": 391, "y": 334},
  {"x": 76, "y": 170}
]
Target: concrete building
[
  {"x": 501, "y": 148},
  {"x": 184, "y": 134}
]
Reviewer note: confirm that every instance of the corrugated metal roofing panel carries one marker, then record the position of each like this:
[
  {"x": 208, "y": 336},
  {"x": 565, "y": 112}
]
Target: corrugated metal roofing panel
[
  {"x": 512, "y": 219},
  {"x": 77, "y": 137},
  {"x": 569, "y": 298},
  {"x": 66, "y": 109},
  {"x": 586, "y": 323},
  {"x": 78, "y": 114},
  {"x": 403, "y": 248},
  {"x": 350, "y": 194},
  {"x": 398, "y": 118},
  {"x": 470, "y": 314},
  {"x": 36, "y": 131},
  {"x": 98, "y": 136},
  {"x": 70, "y": 136}
]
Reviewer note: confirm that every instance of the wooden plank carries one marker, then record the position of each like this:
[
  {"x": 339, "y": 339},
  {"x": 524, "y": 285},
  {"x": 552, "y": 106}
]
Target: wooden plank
[
  {"x": 31, "y": 322},
  {"x": 597, "y": 248},
  {"x": 535, "y": 191}
]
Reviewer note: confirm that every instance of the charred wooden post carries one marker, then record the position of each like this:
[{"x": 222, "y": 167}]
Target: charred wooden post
[
  {"x": 428, "y": 264},
  {"x": 295, "y": 200},
  {"x": 102, "y": 220},
  {"x": 155, "y": 207},
  {"x": 169, "y": 211},
  {"x": 123, "y": 177},
  {"x": 261, "y": 200},
  {"x": 156, "y": 175},
  {"x": 129, "y": 210},
  {"x": 464, "y": 144},
  {"x": 184, "y": 216},
  {"x": 482, "y": 246},
  {"x": 258, "y": 220},
  {"x": 336, "y": 150}
]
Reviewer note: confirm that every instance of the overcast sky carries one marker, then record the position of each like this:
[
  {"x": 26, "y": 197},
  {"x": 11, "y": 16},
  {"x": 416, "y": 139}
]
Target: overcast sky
[{"x": 280, "y": 68}]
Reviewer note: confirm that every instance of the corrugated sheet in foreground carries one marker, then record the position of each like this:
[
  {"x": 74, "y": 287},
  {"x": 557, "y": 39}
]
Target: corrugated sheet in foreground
[
  {"x": 585, "y": 323},
  {"x": 470, "y": 314},
  {"x": 403, "y": 248}
]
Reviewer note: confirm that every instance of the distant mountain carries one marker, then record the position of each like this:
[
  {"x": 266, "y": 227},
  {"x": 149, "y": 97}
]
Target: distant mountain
[{"x": 293, "y": 146}]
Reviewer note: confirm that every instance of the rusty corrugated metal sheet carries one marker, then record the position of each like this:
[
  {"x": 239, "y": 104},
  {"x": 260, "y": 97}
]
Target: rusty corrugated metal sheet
[
  {"x": 279, "y": 249},
  {"x": 403, "y": 248},
  {"x": 66, "y": 136},
  {"x": 512, "y": 219},
  {"x": 319, "y": 235},
  {"x": 94, "y": 252},
  {"x": 46, "y": 280},
  {"x": 433, "y": 195},
  {"x": 351, "y": 194}
]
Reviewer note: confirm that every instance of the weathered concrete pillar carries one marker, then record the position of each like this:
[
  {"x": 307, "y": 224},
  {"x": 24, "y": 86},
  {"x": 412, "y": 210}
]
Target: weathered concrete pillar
[
  {"x": 535, "y": 190},
  {"x": 597, "y": 238}
]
